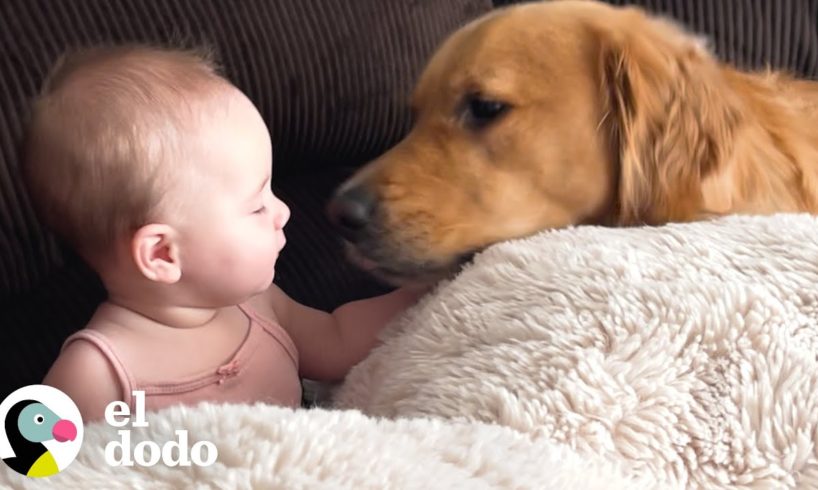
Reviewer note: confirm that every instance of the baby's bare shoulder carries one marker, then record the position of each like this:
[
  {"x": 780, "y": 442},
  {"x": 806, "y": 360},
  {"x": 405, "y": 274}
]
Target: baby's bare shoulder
[{"x": 83, "y": 373}]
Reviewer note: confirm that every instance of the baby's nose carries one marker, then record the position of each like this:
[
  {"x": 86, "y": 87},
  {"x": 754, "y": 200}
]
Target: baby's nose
[{"x": 283, "y": 214}]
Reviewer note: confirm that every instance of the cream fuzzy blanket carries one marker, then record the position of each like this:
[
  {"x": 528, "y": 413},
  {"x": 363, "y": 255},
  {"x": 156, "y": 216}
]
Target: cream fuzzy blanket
[
  {"x": 683, "y": 356},
  {"x": 687, "y": 352}
]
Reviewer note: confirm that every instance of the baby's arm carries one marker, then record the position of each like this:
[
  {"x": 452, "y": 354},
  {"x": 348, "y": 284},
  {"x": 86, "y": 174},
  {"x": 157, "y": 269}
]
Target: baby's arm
[
  {"x": 329, "y": 344},
  {"x": 83, "y": 373}
]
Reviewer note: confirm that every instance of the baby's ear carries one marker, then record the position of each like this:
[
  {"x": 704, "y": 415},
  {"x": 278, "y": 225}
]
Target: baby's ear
[{"x": 155, "y": 252}]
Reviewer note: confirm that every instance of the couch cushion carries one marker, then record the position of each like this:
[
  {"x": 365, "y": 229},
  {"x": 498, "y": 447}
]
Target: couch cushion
[{"x": 330, "y": 77}]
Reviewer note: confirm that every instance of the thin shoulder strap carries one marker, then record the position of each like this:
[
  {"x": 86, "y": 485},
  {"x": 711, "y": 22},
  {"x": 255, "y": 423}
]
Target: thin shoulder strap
[
  {"x": 99, "y": 341},
  {"x": 274, "y": 329}
]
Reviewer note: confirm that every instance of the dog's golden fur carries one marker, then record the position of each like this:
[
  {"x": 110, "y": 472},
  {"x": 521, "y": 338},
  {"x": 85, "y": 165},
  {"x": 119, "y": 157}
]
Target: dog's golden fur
[{"x": 611, "y": 117}]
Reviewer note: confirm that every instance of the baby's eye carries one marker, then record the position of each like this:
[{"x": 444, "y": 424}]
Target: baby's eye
[{"x": 260, "y": 210}]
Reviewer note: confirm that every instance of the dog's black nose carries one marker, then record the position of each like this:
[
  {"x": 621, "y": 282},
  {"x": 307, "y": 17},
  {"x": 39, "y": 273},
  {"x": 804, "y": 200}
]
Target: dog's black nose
[{"x": 351, "y": 211}]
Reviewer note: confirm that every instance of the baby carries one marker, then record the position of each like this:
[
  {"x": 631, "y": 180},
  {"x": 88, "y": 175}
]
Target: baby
[{"x": 157, "y": 171}]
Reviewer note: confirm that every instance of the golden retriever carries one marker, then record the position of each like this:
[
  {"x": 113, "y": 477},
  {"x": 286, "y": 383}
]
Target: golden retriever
[{"x": 562, "y": 113}]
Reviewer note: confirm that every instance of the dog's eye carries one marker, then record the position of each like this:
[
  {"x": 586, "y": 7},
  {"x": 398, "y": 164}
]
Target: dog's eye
[{"x": 481, "y": 111}]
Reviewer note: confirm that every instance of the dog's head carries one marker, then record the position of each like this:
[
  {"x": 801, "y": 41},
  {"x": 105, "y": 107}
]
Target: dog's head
[{"x": 535, "y": 117}]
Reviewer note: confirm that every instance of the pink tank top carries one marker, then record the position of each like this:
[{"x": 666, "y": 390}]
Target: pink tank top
[{"x": 263, "y": 369}]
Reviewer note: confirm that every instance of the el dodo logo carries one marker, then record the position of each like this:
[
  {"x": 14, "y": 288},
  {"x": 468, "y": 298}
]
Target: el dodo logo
[
  {"x": 42, "y": 434},
  {"x": 41, "y": 431}
]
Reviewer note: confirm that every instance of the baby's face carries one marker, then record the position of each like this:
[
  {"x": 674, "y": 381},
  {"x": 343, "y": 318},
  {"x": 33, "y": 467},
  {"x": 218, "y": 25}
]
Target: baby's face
[{"x": 232, "y": 231}]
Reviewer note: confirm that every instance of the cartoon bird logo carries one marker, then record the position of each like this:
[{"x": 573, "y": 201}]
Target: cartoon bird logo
[{"x": 28, "y": 424}]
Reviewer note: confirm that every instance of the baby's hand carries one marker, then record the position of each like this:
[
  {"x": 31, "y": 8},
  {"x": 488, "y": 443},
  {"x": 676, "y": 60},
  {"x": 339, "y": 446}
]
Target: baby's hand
[{"x": 329, "y": 344}]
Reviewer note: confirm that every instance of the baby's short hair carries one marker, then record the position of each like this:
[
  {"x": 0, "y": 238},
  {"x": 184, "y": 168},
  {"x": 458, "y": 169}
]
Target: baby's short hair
[{"x": 105, "y": 134}]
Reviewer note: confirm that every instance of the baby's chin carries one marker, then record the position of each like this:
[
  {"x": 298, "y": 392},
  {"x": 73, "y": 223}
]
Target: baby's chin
[
  {"x": 267, "y": 283},
  {"x": 272, "y": 278}
]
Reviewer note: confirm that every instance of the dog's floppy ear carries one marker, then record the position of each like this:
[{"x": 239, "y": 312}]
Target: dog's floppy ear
[{"x": 671, "y": 119}]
